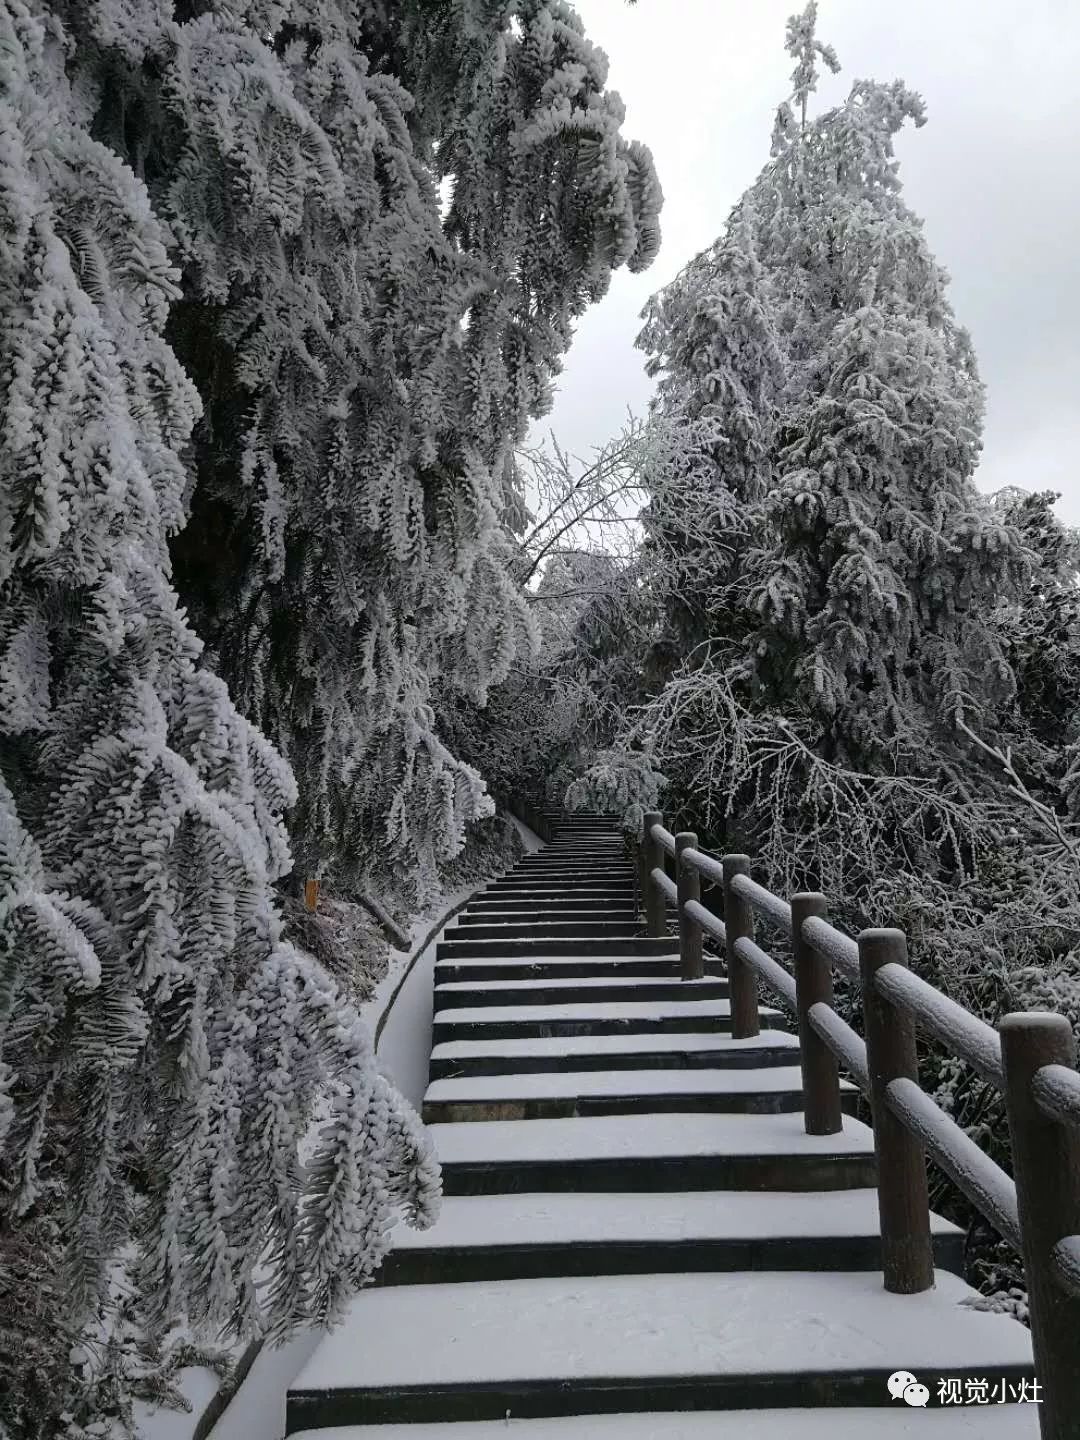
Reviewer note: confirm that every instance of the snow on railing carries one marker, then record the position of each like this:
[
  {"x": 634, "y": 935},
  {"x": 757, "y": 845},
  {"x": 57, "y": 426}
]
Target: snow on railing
[
  {"x": 833, "y": 945},
  {"x": 665, "y": 884},
  {"x": 1057, "y": 1093},
  {"x": 848, "y": 1047},
  {"x": 968, "y": 1167},
  {"x": 971, "y": 1038},
  {"x": 1030, "y": 1057},
  {"x": 774, "y": 974},
  {"x": 764, "y": 902}
]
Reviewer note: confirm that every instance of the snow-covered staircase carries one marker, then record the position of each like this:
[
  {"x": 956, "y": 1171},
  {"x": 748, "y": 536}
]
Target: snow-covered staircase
[{"x": 638, "y": 1238}]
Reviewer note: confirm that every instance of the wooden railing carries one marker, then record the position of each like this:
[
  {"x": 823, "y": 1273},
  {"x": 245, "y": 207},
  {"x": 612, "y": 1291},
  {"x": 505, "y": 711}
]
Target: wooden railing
[{"x": 1030, "y": 1057}]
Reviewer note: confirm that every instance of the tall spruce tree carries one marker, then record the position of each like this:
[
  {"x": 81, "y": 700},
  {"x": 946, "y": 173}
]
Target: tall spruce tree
[{"x": 814, "y": 350}]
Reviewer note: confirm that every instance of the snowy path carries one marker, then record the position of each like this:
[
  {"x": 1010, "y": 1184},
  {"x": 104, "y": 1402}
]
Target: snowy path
[{"x": 638, "y": 1237}]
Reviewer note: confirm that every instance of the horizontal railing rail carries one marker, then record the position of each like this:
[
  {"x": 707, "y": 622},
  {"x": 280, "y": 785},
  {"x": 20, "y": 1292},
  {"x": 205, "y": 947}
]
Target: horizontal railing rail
[
  {"x": 972, "y": 1039},
  {"x": 771, "y": 971},
  {"x": 763, "y": 902},
  {"x": 665, "y": 885},
  {"x": 1056, "y": 1089},
  {"x": 848, "y": 1046},
  {"x": 1030, "y": 1058}
]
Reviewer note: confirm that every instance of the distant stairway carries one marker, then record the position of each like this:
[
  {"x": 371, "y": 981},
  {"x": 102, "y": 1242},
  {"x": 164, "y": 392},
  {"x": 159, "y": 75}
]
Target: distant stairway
[{"x": 638, "y": 1240}]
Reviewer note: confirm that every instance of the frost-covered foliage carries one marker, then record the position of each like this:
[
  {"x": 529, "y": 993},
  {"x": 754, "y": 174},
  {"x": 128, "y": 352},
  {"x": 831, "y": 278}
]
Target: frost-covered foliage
[
  {"x": 1041, "y": 634},
  {"x": 367, "y": 366},
  {"x": 491, "y": 849},
  {"x": 160, "y": 1043},
  {"x": 619, "y": 783},
  {"x": 830, "y": 629},
  {"x": 578, "y": 515},
  {"x": 575, "y": 536},
  {"x": 816, "y": 346},
  {"x": 345, "y": 937}
]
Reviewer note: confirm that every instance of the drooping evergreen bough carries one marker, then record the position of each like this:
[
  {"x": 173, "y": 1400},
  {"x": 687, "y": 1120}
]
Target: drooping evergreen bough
[
  {"x": 367, "y": 365},
  {"x": 221, "y": 240}
]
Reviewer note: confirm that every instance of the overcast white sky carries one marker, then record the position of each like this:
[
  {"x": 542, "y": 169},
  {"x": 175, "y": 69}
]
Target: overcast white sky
[{"x": 995, "y": 174}]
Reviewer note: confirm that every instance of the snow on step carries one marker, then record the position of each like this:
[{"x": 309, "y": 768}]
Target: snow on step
[
  {"x": 972, "y": 1422},
  {"x": 612, "y": 961},
  {"x": 600, "y": 962},
  {"x": 586, "y": 1217},
  {"x": 580, "y": 1084},
  {"x": 625, "y": 1010},
  {"x": 585, "y": 982},
  {"x": 571, "y": 1045},
  {"x": 630, "y": 1327},
  {"x": 647, "y": 1137}
]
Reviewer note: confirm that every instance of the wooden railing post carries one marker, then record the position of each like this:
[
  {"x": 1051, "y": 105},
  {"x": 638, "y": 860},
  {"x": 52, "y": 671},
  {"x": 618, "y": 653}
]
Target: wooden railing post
[
  {"x": 1046, "y": 1167},
  {"x": 813, "y": 982},
  {"x": 907, "y": 1256},
  {"x": 641, "y": 877},
  {"x": 691, "y": 952},
  {"x": 739, "y": 924},
  {"x": 655, "y": 908}
]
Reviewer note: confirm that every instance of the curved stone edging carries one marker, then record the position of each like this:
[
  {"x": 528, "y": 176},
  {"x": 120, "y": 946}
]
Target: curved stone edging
[
  {"x": 438, "y": 925},
  {"x": 223, "y": 1397}
]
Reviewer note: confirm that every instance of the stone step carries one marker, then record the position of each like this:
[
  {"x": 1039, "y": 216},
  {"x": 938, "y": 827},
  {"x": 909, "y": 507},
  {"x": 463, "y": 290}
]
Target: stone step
[
  {"x": 614, "y": 882},
  {"x": 545, "y": 1054},
  {"x": 582, "y": 856},
  {"x": 581, "y": 880},
  {"x": 552, "y": 912},
  {"x": 616, "y": 905},
  {"x": 598, "y": 845},
  {"x": 583, "y": 860},
  {"x": 638, "y": 1017},
  {"x": 589, "y": 989},
  {"x": 526, "y": 929},
  {"x": 568, "y": 860},
  {"x": 583, "y": 820},
  {"x": 612, "y": 855},
  {"x": 555, "y": 895},
  {"x": 773, "y": 1090},
  {"x": 558, "y": 945},
  {"x": 562, "y": 967},
  {"x": 651, "y": 1152},
  {"x": 623, "y": 1343},
  {"x": 561, "y": 874},
  {"x": 587, "y": 842},
  {"x": 955, "y": 1422},
  {"x": 516, "y": 1237}
]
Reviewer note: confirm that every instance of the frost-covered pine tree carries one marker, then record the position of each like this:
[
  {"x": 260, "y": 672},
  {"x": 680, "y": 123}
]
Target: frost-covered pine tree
[
  {"x": 160, "y": 1044},
  {"x": 816, "y": 343},
  {"x": 367, "y": 365}
]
